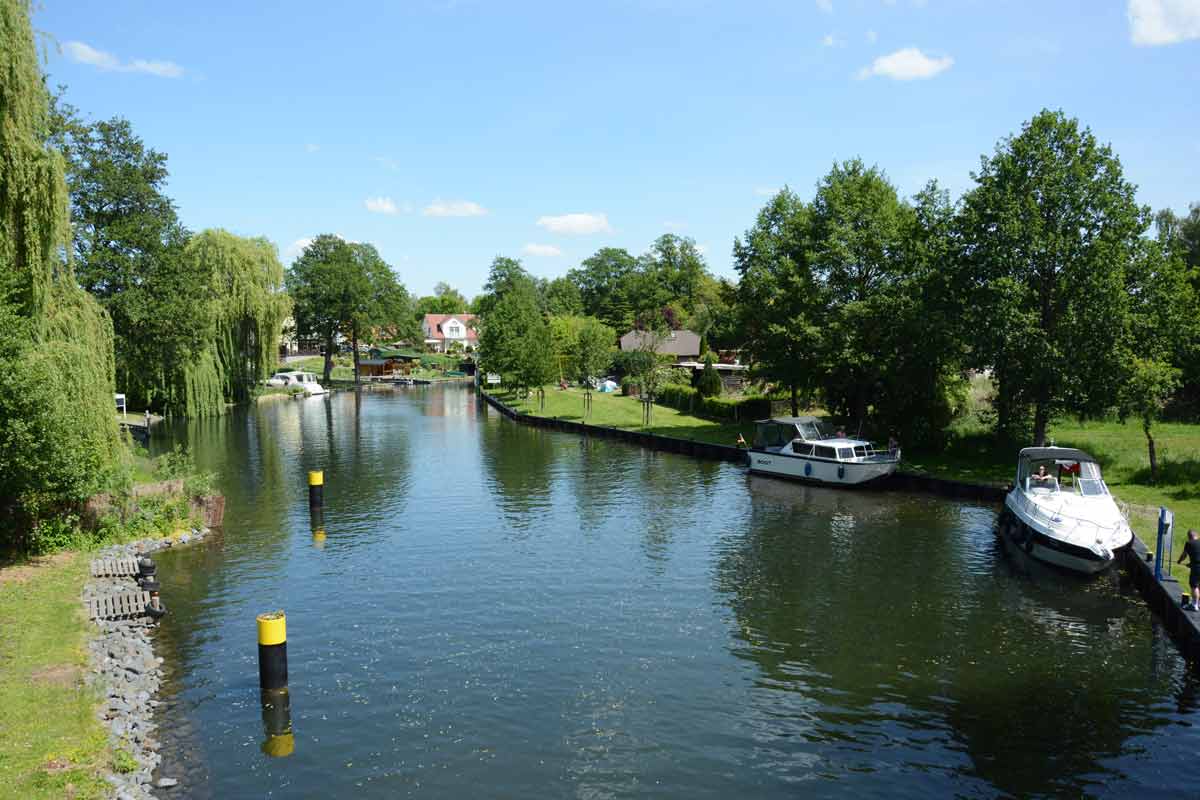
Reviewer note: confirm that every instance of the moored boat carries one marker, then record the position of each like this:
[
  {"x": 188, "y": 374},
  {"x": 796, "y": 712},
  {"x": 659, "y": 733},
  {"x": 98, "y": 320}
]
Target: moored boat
[
  {"x": 803, "y": 448},
  {"x": 1060, "y": 510}
]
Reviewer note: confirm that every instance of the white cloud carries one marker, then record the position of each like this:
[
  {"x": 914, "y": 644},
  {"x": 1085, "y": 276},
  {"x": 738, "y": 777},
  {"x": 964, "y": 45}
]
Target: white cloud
[
  {"x": 829, "y": 40},
  {"x": 872, "y": 37},
  {"x": 1156, "y": 22},
  {"x": 381, "y": 205},
  {"x": 293, "y": 250},
  {"x": 906, "y": 65},
  {"x": 577, "y": 224},
  {"x": 825, "y": 5},
  {"x": 454, "y": 208},
  {"x": 311, "y": 148},
  {"x": 532, "y": 249},
  {"x": 86, "y": 54},
  {"x": 766, "y": 191}
]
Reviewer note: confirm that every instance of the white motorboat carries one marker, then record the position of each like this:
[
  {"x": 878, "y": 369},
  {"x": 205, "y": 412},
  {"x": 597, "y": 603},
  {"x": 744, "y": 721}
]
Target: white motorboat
[
  {"x": 803, "y": 448},
  {"x": 1064, "y": 515},
  {"x": 305, "y": 382}
]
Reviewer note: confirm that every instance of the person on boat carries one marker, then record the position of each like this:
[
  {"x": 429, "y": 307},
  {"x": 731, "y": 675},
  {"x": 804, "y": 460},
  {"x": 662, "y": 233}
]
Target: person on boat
[
  {"x": 841, "y": 433},
  {"x": 1191, "y": 551},
  {"x": 893, "y": 444},
  {"x": 1041, "y": 476}
]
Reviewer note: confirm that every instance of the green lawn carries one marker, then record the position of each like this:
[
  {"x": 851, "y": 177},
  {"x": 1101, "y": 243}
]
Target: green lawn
[
  {"x": 53, "y": 745},
  {"x": 618, "y": 411}
]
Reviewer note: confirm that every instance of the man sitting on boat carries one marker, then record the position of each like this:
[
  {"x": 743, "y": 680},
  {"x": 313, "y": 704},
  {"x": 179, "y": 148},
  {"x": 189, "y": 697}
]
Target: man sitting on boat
[{"x": 1041, "y": 476}]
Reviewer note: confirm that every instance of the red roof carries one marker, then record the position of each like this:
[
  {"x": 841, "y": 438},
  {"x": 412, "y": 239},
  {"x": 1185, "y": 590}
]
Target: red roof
[{"x": 433, "y": 325}]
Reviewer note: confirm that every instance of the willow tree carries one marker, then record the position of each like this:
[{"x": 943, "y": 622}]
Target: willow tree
[
  {"x": 242, "y": 322},
  {"x": 58, "y": 433}
]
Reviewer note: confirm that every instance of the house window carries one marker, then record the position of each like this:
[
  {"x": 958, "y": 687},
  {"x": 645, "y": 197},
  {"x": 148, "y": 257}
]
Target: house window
[{"x": 454, "y": 330}]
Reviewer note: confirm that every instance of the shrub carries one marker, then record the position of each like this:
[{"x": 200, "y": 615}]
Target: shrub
[{"x": 709, "y": 383}]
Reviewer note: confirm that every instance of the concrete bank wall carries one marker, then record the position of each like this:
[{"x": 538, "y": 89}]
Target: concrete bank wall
[{"x": 1163, "y": 597}]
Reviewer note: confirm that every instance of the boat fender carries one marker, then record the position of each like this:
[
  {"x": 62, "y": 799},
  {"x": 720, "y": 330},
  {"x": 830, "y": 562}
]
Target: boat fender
[
  {"x": 156, "y": 613},
  {"x": 807, "y": 468},
  {"x": 841, "y": 471}
]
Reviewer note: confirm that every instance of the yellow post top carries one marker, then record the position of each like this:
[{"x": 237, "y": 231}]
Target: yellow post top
[
  {"x": 316, "y": 477},
  {"x": 280, "y": 746},
  {"x": 272, "y": 627},
  {"x": 319, "y": 533}
]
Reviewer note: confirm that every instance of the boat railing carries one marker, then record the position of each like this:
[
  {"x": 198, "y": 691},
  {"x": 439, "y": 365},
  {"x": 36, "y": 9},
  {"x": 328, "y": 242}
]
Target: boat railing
[{"x": 1068, "y": 523}]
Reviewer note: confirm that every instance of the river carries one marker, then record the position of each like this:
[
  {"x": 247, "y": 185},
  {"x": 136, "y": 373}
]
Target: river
[{"x": 500, "y": 611}]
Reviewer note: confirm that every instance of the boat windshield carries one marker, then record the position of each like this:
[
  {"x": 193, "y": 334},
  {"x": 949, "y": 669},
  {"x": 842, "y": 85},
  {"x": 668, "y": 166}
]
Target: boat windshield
[{"x": 814, "y": 431}]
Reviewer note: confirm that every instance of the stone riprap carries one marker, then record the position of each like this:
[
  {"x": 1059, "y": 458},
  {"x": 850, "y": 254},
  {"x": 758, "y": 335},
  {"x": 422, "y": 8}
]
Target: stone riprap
[{"x": 125, "y": 667}]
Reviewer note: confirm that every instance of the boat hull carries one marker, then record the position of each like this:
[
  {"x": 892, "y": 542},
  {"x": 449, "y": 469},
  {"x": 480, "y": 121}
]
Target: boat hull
[
  {"x": 1050, "y": 550},
  {"x": 815, "y": 470}
]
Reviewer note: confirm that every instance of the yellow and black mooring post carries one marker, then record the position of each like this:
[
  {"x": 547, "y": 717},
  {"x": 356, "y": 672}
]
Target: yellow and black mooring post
[
  {"x": 280, "y": 742},
  {"x": 316, "y": 489},
  {"x": 272, "y": 650},
  {"x": 317, "y": 520}
]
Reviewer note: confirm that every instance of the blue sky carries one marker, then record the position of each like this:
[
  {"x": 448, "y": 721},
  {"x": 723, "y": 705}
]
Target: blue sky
[{"x": 446, "y": 133}]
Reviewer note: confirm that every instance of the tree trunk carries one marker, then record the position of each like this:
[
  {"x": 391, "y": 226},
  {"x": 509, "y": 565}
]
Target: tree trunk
[
  {"x": 795, "y": 402},
  {"x": 1153, "y": 455},
  {"x": 328, "y": 357},
  {"x": 354, "y": 347},
  {"x": 1039, "y": 424}
]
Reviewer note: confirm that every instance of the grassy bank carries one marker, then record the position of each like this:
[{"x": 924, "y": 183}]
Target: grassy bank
[
  {"x": 618, "y": 411},
  {"x": 974, "y": 456},
  {"x": 53, "y": 746}
]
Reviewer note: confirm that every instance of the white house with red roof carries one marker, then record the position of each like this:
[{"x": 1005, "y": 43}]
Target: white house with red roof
[{"x": 443, "y": 330}]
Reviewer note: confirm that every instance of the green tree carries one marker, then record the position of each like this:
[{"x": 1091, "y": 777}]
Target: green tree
[
  {"x": 444, "y": 300},
  {"x": 128, "y": 251},
  {"x": 709, "y": 382},
  {"x": 857, "y": 228},
  {"x": 593, "y": 354},
  {"x": 241, "y": 323},
  {"x": 563, "y": 298},
  {"x": 673, "y": 270},
  {"x": 780, "y": 306},
  {"x": 58, "y": 438},
  {"x": 325, "y": 291},
  {"x": 605, "y": 286},
  {"x": 1049, "y": 230},
  {"x": 379, "y": 300},
  {"x": 514, "y": 339},
  {"x": 1144, "y": 394}
]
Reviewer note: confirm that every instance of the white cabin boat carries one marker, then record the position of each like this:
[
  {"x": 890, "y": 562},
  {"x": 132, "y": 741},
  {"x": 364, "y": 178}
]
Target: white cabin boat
[
  {"x": 1066, "y": 517},
  {"x": 804, "y": 449},
  {"x": 304, "y": 381}
]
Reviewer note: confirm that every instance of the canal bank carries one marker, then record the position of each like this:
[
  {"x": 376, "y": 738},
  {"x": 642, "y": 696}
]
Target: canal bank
[{"x": 1162, "y": 595}]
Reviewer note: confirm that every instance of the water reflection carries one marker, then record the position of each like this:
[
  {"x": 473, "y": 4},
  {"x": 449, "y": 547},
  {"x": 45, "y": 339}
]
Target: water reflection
[{"x": 540, "y": 614}]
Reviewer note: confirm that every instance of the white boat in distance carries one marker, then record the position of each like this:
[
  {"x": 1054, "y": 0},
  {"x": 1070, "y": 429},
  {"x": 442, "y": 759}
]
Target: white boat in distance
[
  {"x": 1066, "y": 518},
  {"x": 305, "y": 381},
  {"x": 803, "y": 448}
]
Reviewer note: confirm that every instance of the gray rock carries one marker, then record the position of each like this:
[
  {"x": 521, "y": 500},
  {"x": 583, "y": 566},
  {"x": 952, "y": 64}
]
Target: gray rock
[{"x": 167, "y": 783}]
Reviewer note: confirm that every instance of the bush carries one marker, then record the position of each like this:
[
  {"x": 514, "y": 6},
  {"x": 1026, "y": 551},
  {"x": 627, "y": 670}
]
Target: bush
[
  {"x": 690, "y": 401},
  {"x": 709, "y": 384},
  {"x": 629, "y": 386}
]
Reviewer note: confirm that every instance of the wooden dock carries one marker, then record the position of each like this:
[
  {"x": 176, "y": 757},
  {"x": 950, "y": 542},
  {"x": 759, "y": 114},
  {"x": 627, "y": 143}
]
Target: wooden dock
[
  {"x": 114, "y": 567},
  {"x": 118, "y": 606}
]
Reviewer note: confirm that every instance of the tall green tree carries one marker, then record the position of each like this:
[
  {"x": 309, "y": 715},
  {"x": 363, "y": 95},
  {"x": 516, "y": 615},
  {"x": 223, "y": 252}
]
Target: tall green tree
[
  {"x": 857, "y": 228},
  {"x": 605, "y": 286},
  {"x": 563, "y": 298},
  {"x": 128, "y": 250},
  {"x": 780, "y": 304},
  {"x": 444, "y": 300},
  {"x": 326, "y": 291},
  {"x": 380, "y": 300},
  {"x": 514, "y": 339},
  {"x": 1144, "y": 394},
  {"x": 58, "y": 432},
  {"x": 1049, "y": 231},
  {"x": 593, "y": 353}
]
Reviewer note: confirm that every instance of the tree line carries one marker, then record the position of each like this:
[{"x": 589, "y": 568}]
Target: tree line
[{"x": 1047, "y": 275}]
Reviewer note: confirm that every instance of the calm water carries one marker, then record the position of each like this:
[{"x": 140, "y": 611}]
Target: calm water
[{"x": 498, "y": 611}]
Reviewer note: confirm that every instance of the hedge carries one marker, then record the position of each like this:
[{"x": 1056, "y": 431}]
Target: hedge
[{"x": 689, "y": 400}]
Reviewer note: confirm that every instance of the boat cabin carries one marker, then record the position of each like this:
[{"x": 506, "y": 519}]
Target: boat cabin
[
  {"x": 1067, "y": 470},
  {"x": 808, "y": 436}
]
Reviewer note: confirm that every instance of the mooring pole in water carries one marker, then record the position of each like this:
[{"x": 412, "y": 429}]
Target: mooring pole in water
[
  {"x": 272, "y": 650},
  {"x": 277, "y": 723},
  {"x": 316, "y": 489},
  {"x": 317, "y": 522}
]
